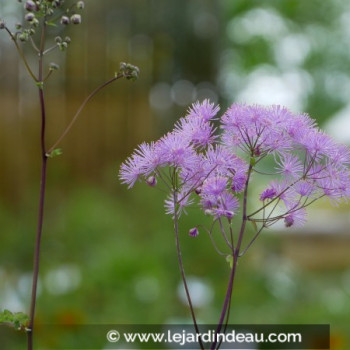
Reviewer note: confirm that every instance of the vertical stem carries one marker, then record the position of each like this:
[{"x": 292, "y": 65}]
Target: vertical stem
[
  {"x": 235, "y": 252},
  {"x": 44, "y": 158},
  {"x": 182, "y": 270}
]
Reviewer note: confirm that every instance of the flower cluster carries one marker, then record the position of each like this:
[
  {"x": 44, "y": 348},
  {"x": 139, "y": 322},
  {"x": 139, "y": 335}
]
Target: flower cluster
[
  {"x": 215, "y": 164},
  {"x": 35, "y": 10}
]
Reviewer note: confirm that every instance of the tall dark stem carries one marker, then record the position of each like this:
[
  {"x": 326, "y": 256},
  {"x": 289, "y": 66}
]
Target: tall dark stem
[
  {"x": 44, "y": 158},
  {"x": 182, "y": 269},
  {"x": 228, "y": 298}
]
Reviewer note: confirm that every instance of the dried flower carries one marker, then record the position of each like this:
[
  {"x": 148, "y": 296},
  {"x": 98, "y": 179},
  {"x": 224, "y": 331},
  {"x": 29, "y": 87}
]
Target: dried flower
[
  {"x": 76, "y": 19},
  {"x": 29, "y": 16},
  {"x": 65, "y": 20},
  {"x": 30, "y": 5},
  {"x": 80, "y": 5}
]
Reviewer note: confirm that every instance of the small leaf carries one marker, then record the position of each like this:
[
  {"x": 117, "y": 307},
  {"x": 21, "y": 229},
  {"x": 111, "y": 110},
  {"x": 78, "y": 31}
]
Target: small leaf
[
  {"x": 51, "y": 24},
  {"x": 55, "y": 153},
  {"x": 229, "y": 259},
  {"x": 17, "y": 320},
  {"x": 40, "y": 84}
]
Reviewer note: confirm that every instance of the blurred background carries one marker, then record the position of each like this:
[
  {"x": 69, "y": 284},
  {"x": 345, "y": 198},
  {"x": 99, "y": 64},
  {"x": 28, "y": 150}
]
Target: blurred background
[{"x": 108, "y": 254}]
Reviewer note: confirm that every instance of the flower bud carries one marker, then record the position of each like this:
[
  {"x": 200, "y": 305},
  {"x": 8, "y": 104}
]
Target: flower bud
[
  {"x": 288, "y": 221},
  {"x": 2, "y": 24},
  {"x": 208, "y": 212},
  {"x": 76, "y": 19},
  {"x": 58, "y": 39},
  {"x": 35, "y": 22},
  {"x": 23, "y": 37},
  {"x": 18, "y": 26},
  {"x": 80, "y": 5},
  {"x": 193, "y": 232},
  {"x": 30, "y": 5},
  {"x": 229, "y": 214},
  {"x": 29, "y": 16},
  {"x": 56, "y": 3},
  {"x": 65, "y": 20},
  {"x": 67, "y": 39},
  {"x": 151, "y": 181},
  {"x": 198, "y": 190},
  {"x": 63, "y": 46}
]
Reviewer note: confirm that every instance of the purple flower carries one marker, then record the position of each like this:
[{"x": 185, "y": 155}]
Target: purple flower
[
  {"x": 290, "y": 165},
  {"x": 296, "y": 218},
  {"x": 283, "y": 191},
  {"x": 299, "y": 125},
  {"x": 238, "y": 181},
  {"x": 214, "y": 186},
  {"x": 269, "y": 193},
  {"x": 196, "y": 158},
  {"x": 256, "y": 129},
  {"x": 219, "y": 160},
  {"x": 199, "y": 132},
  {"x": 183, "y": 200},
  {"x": 131, "y": 170},
  {"x": 305, "y": 188},
  {"x": 174, "y": 150},
  {"x": 222, "y": 204},
  {"x": 148, "y": 157},
  {"x": 228, "y": 201},
  {"x": 204, "y": 110}
]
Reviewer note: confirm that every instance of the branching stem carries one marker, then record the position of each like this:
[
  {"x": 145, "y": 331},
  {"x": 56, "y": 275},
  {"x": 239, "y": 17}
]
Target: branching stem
[{"x": 68, "y": 128}]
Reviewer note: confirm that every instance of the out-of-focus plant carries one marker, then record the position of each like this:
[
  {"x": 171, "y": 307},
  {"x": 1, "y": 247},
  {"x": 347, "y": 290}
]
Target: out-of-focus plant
[
  {"x": 39, "y": 16},
  {"x": 197, "y": 164}
]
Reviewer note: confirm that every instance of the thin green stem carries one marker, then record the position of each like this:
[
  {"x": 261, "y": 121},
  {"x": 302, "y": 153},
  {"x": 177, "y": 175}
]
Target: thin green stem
[
  {"x": 68, "y": 128},
  {"x": 50, "y": 49},
  {"x": 21, "y": 54}
]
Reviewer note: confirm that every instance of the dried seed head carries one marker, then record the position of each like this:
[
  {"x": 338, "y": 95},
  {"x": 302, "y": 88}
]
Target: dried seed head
[
  {"x": 80, "y": 5},
  {"x": 30, "y": 5},
  {"x": 76, "y": 19},
  {"x": 65, "y": 20},
  {"x": 29, "y": 16}
]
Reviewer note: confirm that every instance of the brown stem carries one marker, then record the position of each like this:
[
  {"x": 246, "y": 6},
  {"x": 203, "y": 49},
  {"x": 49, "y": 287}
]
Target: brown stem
[
  {"x": 36, "y": 262},
  {"x": 235, "y": 257},
  {"x": 182, "y": 270}
]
